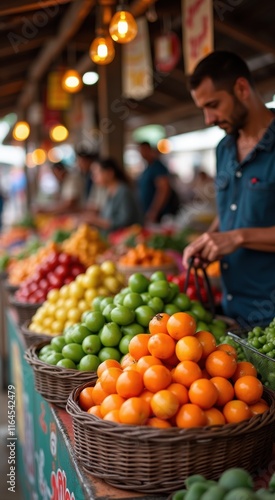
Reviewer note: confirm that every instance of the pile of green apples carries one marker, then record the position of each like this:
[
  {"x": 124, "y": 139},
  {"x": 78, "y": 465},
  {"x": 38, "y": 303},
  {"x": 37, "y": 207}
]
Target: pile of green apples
[{"x": 106, "y": 330}]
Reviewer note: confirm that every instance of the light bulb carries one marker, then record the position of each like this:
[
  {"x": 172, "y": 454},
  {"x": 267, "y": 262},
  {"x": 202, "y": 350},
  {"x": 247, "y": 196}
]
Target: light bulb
[
  {"x": 21, "y": 131},
  {"x": 102, "y": 50},
  {"x": 71, "y": 81},
  {"x": 58, "y": 133},
  {"x": 90, "y": 78},
  {"x": 123, "y": 27},
  {"x": 39, "y": 156}
]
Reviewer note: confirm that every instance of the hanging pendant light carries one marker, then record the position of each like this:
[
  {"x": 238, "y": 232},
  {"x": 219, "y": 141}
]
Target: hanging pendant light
[
  {"x": 102, "y": 49},
  {"x": 21, "y": 131},
  {"x": 71, "y": 81},
  {"x": 123, "y": 27}
]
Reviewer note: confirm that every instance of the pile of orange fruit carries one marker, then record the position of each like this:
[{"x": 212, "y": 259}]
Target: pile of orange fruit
[
  {"x": 20, "y": 270},
  {"x": 143, "y": 255},
  {"x": 175, "y": 376}
]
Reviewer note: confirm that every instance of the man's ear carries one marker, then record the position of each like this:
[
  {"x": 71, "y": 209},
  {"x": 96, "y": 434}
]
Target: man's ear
[{"x": 242, "y": 88}]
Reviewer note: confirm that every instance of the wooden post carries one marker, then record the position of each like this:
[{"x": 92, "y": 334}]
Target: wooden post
[{"x": 111, "y": 113}]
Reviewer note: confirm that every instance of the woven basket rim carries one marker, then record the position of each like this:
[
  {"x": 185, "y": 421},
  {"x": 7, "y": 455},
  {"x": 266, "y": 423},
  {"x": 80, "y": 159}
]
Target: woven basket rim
[
  {"x": 27, "y": 305},
  {"x": 38, "y": 365},
  {"x": 174, "y": 433},
  {"x": 10, "y": 286}
]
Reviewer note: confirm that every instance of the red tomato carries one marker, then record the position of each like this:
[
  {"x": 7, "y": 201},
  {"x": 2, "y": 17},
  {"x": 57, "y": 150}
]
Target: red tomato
[{"x": 64, "y": 258}]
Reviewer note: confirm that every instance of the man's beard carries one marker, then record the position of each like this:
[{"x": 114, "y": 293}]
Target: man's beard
[{"x": 237, "y": 120}]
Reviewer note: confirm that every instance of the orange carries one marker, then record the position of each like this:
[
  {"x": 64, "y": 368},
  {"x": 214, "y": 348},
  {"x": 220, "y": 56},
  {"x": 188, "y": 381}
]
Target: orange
[
  {"x": 214, "y": 417},
  {"x": 186, "y": 372},
  {"x": 86, "y": 398},
  {"x": 180, "y": 391},
  {"x": 112, "y": 416},
  {"x": 208, "y": 342},
  {"x": 98, "y": 393},
  {"x": 158, "y": 422},
  {"x": 134, "y": 411},
  {"x": 225, "y": 390},
  {"x": 203, "y": 393},
  {"x": 108, "y": 363},
  {"x": 248, "y": 389},
  {"x": 147, "y": 396},
  {"x": 156, "y": 378},
  {"x": 180, "y": 325},
  {"x": 111, "y": 402},
  {"x": 220, "y": 364},
  {"x": 158, "y": 323},
  {"x": 161, "y": 345},
  {"x": 189, "y": 348},
  {"x": 259, "y": 407},
  {"x": 228, "y": 348},
  {"x": 236, "y": 411},
  {"x": 138, "y": 345},
  {"x": 244, "y": 368},
  {"x": 108, "y": 379},
  {"x": 127, "y": 360},
  {"x": 95, "y": 410},
  {"x": 145, "y": 362},
  {"x": 129, "y": 384},
  {"x": 190, "y": 415},
  {"x": 172, "y": 361},
  {"x": 164, "y": 404}
]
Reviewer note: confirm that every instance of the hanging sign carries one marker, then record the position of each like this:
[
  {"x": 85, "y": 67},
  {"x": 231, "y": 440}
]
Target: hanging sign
[
  {"x": 167, "y": 52},
  {"x": 57, "y": 98},
  {"x": 197, "y": 31},
  {"x": 137, "y": 77}
]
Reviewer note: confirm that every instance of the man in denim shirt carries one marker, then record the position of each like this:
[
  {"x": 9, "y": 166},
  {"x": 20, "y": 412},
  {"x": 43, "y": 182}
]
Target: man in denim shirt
[{"x": 243, "y": 234}]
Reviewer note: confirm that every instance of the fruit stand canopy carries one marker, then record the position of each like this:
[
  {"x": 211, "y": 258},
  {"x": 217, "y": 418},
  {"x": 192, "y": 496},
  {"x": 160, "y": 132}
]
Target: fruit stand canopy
[{"x": 36, "y": 37}]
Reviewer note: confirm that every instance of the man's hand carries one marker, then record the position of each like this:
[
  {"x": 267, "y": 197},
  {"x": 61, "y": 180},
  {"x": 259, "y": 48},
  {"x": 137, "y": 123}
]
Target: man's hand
[{"x": 212, "y": 246}]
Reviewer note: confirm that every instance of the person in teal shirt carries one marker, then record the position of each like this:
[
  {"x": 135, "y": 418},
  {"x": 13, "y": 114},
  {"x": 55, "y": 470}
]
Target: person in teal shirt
[
  {"x": 243, "y": 233},
  {"x": 120, "y": 209}
]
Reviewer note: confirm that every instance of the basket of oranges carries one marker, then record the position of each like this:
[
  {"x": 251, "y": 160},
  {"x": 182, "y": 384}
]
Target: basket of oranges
[
  {"x": 145, "y": 260},
  {"x": 176, "y": 405}
]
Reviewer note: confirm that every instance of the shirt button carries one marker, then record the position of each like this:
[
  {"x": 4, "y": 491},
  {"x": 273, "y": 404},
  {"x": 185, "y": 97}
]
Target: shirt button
[
  {"x": 225, "y": 265},
  {"x": 233, "y": 207},
  {"x": 229, "y": 296},
  {"x": 239, "y": 174}
]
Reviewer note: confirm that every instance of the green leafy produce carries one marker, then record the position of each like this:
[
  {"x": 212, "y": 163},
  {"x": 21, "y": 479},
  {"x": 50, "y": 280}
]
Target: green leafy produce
[{"x": 4, "y": 261}]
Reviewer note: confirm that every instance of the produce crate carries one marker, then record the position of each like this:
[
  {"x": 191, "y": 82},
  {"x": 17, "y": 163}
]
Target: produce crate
[
  {"x": 25, "y": 310},
  {"x": 31, "y": 337},
  {"x": 54, "y": 383},
  {"x": 264, "y": 364},
  {"x": 152, "y": 460}
]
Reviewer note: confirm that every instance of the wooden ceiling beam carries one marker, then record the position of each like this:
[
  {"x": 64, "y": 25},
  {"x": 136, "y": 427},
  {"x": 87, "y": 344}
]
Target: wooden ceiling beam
[
  {"x": 163, "y": 117},
  {"x": 18, "y": 7},
  {"x": 11, "y": 88},
  {"x": 243, "y": 37},
  {"x": 21, "y": 46},
  {"x": 70, "y": 24},
  {"x": 138, "y": 7}
]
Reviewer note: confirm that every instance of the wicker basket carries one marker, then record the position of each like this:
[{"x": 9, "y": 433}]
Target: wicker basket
[
  {"x": 25, "y": 311},
  {"x": 168, "y": 268},
  {"x": 31, "y": 337},
  {"x": 155, "y": 460},
  {"x": 10, "y": 288},
  {"x": 54, "y": 383}
]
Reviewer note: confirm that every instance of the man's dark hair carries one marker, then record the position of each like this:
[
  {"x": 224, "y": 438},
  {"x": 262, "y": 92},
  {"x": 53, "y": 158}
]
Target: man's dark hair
[
  {"x": 145, "y": 143},
  {"x": 82, "y": 151},
  {"x": 223, "y": 67}
]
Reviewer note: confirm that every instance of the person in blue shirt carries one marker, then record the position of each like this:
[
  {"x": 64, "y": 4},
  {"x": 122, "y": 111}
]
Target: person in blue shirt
[
  {"x": 243, "y": 234},
  {"x": 155, "y": 192},
  {"x": 120, "y": 208}
]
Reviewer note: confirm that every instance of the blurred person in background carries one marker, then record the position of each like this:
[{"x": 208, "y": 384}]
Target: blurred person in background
[
  {"x": 84, "y": 160},
  {"x": 120, "y": 209},
  {"x": 155, "y": 191},
  {"x": 69, "y": 198}
]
